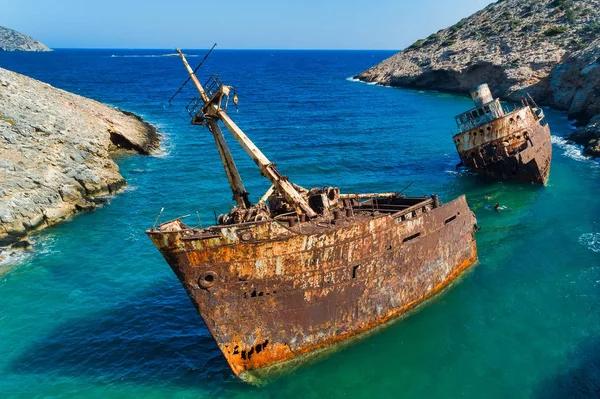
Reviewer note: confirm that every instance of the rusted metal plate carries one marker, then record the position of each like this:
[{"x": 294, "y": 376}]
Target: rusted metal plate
[
  {"x": 304, "y": 269},
  {"x": 272, "y": 291},
  {"x": 515, "y": 146}
]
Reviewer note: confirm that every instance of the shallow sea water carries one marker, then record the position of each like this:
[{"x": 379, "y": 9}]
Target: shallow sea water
[{"x": 94, "y": 310}]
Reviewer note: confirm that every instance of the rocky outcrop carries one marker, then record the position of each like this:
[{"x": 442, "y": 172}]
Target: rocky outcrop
[
  {"x": 589, "y": 137},
  {"x": 575, "y": 83},
  {"x": 55, "y": 153},
  {"x": 11, "y": 40},
  {"x": 547, "y": 48}
]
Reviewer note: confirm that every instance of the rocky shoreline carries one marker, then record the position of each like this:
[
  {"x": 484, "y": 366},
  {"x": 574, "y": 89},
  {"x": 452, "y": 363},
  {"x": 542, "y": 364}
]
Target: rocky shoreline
[
  {"x": 588, "y": 137},
  {"x": 549, "y": 49},
  {"x": 56, "y": 153}
]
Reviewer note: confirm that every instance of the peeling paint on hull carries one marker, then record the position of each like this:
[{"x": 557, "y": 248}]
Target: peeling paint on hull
[
  {"x": 269, "y": 293},
  {"x": 514, "y": 145}
]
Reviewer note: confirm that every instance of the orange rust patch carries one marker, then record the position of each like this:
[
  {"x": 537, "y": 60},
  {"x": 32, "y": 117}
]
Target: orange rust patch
[{"x": 279, "y": 353}]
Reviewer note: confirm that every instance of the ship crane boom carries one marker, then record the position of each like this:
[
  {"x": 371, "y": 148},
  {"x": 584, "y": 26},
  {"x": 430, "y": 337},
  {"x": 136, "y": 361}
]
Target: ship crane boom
[{"x": 209, "y": 115}]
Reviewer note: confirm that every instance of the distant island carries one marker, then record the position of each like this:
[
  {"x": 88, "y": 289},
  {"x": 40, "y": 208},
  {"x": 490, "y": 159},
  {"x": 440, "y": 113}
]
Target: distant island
[
  {"x": 11, "y": 40},
  {"x": 547, "y": 48}
]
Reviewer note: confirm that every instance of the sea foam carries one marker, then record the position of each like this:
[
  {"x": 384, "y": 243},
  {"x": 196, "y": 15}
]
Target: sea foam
[
  {"x": 570, "y": 150},
  {"x": 353, "y": 79},
  {"x": 591, "y": 241}
]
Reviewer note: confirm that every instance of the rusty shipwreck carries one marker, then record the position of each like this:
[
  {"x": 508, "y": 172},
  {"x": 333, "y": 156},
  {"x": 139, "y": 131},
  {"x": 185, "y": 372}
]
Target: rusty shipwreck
[
  {"x": 301, "y": 270},
  {"x": 512, "y": 145}
]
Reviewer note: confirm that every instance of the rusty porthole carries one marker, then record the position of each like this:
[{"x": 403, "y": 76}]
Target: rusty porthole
[
  {"x": 246, "y": 236},
  {"x": 207, "y": 279}
]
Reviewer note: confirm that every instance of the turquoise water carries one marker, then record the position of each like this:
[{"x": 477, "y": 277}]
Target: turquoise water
[{"x": 94, "y": 311}]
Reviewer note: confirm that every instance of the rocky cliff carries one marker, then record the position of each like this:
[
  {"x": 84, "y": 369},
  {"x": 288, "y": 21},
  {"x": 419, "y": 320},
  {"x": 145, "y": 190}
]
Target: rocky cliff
[
  {"x": 11, "y": 40},
  {"x": 55, "y": 153},
  {"x": 548, "y": 48}
]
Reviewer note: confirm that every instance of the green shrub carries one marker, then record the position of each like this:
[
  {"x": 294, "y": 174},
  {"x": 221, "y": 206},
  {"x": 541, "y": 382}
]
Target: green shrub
[
  {"x": 555, "y": 31},
  {"x": 417, "y": 45},
  {"x": 570, "y": 15},
  {"x": 448, "y": 42}
]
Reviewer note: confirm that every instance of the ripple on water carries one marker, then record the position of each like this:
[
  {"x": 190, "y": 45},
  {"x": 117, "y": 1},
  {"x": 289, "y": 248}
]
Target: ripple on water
[
  {"x": 591, "y": 241},
  {"x": 97, "y": 312}
]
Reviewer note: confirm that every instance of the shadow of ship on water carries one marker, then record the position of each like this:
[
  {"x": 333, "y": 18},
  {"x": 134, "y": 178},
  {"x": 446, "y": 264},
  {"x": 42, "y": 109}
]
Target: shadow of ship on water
[
  {"x": 580, "y": 379},
  {"x": 156, "y": 337}
]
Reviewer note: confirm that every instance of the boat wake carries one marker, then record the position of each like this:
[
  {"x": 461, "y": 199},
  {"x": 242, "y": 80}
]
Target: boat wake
[{"x": 591, "y": 241}]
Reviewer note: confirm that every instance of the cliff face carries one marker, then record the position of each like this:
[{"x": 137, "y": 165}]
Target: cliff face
[
  {"x": 547, "y": 48},
  {"x": 55, "y": 150},
  {"x": 11, "y": 40}
]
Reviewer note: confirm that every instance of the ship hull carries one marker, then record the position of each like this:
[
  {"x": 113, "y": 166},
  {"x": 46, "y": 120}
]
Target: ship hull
[
  {"x": 274, "y": 294},
  {"x": 516, "y": 146}
]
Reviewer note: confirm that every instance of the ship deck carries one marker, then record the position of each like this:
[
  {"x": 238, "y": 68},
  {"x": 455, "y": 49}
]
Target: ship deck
[{"x": 354, "y": 210}]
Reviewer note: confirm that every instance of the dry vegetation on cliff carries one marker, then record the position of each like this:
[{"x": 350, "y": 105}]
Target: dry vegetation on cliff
[{"x": 548, "y": 48}]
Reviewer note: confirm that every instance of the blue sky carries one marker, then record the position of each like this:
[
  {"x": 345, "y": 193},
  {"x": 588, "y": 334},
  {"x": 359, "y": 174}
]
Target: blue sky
[{"x": 240, "y": 24}]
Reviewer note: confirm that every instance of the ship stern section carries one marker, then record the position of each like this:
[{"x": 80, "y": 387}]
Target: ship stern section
[{"x": 515, "y": 146}]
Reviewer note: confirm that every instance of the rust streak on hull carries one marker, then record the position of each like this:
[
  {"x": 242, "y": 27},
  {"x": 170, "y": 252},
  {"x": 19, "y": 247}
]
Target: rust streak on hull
[
  {"x": 514, "y": 146},
  {"x": 303, "y": 269},
  {"x": 285, "y": 294},
  {"x": 394, "y": 314}
]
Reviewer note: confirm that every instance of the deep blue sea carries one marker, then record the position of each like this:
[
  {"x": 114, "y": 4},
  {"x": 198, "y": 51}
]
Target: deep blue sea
[{"x": 94, "y": 311}]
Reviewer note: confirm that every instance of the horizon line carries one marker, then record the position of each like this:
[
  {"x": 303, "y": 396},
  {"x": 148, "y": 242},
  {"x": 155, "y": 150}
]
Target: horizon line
[{"x": 216, "y": 49}]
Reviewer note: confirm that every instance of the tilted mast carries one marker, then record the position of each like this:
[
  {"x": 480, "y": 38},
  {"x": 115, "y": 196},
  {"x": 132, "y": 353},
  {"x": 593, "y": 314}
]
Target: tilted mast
[
  {"x": 210, "y": 113},
  {"x": 240, "y": 195}
]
